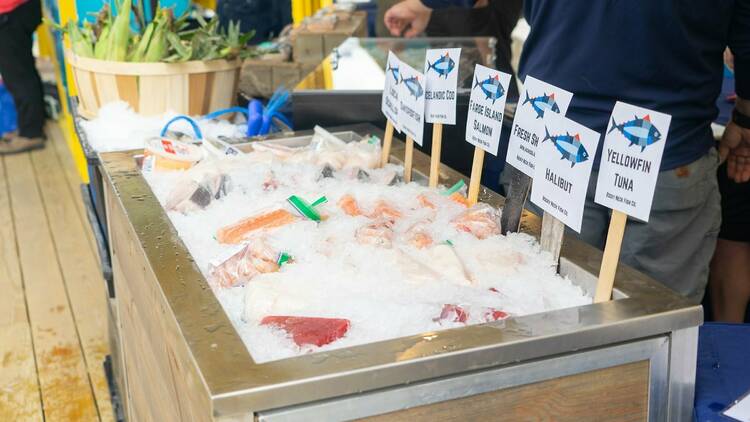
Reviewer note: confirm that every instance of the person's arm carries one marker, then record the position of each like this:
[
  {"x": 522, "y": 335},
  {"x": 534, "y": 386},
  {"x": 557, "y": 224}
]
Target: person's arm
[{"x": 735, "y": 144}]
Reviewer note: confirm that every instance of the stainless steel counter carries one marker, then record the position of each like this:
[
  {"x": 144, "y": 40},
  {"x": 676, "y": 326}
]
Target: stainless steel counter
[{"x": 168, "y": 317}]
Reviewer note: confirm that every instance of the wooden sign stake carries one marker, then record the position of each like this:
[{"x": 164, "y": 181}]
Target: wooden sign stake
[
  {"x": 611, "y": 257},
  {"x": 408, "y": 159},
  {"x": 476, "y": 175},
  {"x": 437, "y": 144},
  {"x": 552, "y": 235},
  {"x": 387, "y": 141}
]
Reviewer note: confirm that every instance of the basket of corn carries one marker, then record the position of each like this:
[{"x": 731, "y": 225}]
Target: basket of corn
[{"x": 167, "y": 65}]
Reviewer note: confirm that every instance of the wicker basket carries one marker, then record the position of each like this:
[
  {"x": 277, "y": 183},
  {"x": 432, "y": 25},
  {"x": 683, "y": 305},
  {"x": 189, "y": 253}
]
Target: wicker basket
[{"x": 192, "y": 88}]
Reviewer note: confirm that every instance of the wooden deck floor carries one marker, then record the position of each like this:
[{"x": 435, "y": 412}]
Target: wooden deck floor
[{"x": 53, "y": 318}]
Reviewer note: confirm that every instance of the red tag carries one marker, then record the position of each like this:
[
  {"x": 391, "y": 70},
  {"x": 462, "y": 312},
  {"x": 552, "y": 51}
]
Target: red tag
[{"x": 167, "y": 144}]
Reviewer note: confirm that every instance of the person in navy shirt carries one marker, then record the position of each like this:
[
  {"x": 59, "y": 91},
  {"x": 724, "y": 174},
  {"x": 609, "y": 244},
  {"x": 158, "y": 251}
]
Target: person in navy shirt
[{"x": 664, "y": 55}]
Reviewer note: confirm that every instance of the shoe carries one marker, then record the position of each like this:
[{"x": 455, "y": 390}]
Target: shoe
[{"x": 13, "y": 144}]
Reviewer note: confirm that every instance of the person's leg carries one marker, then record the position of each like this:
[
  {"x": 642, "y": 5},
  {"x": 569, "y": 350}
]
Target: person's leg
[
  {"x": 18, "y": 68},
  {"x": 730, "y": 280},
  {"x": 676, "y": 245}
]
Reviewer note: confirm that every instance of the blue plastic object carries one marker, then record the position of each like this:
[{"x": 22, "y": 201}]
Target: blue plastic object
[
  {"x": 8, "y": 116},
  {"x": 259, "y": 118},
  {"x": 196, "y": 129}
]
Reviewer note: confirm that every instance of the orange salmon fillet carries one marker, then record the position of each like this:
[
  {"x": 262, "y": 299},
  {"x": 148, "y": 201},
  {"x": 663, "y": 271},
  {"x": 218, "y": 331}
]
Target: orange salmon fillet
[
  {"x": 236, "y": 232},
  {"x": 349, "y": 205}
]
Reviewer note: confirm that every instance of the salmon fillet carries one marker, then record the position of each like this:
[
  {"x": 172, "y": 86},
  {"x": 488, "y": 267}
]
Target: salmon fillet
[{"x": 237, "y": 232}]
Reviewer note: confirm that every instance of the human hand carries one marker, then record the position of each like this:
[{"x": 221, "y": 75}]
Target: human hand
[
  {"x": 410, "y": 15},
  {"x": 734, "y": 146}
]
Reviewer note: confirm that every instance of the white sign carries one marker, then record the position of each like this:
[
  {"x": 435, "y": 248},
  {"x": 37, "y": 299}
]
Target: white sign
[
  {"x": 486, "y": 107},
  {"x": 631, "y": 158},
  {"x": 538, "y": 97},
  {"x": 441, "y": 73},
  {"x": 740, "y": 410},
  {"x": 389, "y": 103},
  {"x": 564, "y": 159},
  {"x": 411, "y": 99}
]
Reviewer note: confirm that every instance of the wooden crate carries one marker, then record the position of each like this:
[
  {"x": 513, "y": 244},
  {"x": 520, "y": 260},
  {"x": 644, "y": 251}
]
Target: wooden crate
[
  {"x": 259, "y": 78},
  {"x": 192, "y": 88},
  {"x": 314, "y": 46}
]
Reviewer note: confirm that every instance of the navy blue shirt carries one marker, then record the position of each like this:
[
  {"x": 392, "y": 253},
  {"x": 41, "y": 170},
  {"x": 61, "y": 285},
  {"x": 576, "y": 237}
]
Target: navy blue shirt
[{"x": 665, "y": 55}]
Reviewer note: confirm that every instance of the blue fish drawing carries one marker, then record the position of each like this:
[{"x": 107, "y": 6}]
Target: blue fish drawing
[
  {"x": 542, "y": 103},
  {"x": 491, "y": 87},
  {"x": 413, "y": 85},
  {"x": 442, "y": 66},
  {"x": 570, "y": 147},
  {"x": 639, "y": 131},
  {"x": 394, "y": 72}
]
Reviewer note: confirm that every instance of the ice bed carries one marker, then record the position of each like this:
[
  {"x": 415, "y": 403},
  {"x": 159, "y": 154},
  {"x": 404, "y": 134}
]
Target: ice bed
[{"x": 179, "y": 355}]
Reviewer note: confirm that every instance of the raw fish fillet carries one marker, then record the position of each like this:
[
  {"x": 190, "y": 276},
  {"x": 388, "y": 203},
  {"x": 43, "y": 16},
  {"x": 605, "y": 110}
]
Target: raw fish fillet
[
  {"x": 349, "y": 205},
  {"x": 459, "y": 198},
  {"x": 253, "y": 259},
  {"x": 442, "y": 258},
  {"x": 237, "y": 232},
  {"x": 418, "y": 236},
  {"x": 379, "y": 233},
  {"x": 310, "y": 330},
  {"x": 494, "y": 315},
  {"x": 425, "y": 202},
  {"x": 385, "y": 210},
  {"x": 190, "y": 194},
  {"x": 481, "y": 220},
  {"x": 453, "y": 313}
]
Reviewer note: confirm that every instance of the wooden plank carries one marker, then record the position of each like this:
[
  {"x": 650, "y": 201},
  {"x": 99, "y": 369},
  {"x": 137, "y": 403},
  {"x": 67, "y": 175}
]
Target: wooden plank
[
  {"x": 197, "y": 83},
  {"x": 222, "y": 94},
  {"x": 65, "y": 388},
  {"x": 177, "y": 93},
  {"x": 162, "y": 379},
  {"x": 127, "y": 86},
  {"x": 152, "y": 95},
  {"x": 619, "y": 393},
  {"x": 86, "y": 90},
  {"x": 19, "y": 386},
  {"x": 106, "y": 88},
  {"x": 80, "y": 270}
]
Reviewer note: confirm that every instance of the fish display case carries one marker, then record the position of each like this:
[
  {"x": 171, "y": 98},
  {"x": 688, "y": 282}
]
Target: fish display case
[
  {"x": 177, "y": 355},
  {"x": 346, "y": 88}
]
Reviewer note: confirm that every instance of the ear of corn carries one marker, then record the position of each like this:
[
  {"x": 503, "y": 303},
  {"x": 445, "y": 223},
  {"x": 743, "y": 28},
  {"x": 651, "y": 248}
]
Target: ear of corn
[
  {"x": 119, "y": 36},
  {"x": 164, "y": 39}
]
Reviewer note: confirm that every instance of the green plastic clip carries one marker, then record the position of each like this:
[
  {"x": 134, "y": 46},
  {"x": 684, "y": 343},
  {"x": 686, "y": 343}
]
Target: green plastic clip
[{"x": 453, "y": 189}]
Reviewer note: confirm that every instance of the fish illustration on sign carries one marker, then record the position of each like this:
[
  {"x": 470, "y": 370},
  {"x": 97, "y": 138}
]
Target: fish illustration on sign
[
  {"x": 542, "y": 103},
  {"x": 491, "y": 87},
  {"x": 639, "y": 131},
  {"x": 394, "y": 72},
  {"x": 413, "y": 85},
  {"x": 442, "y": 66},
  {"x": 570, "y": 147}
]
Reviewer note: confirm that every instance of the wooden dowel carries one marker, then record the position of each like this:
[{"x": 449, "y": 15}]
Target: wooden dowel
[
  {"x": 387, "y": 141},
  {"x": 437, "y": 144},
  {"x": 552, "y": 235},
  {"x": 475, "y": 182},
  {"x": 408, "y": 159},
  {"x": 611, "y": 257}
]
